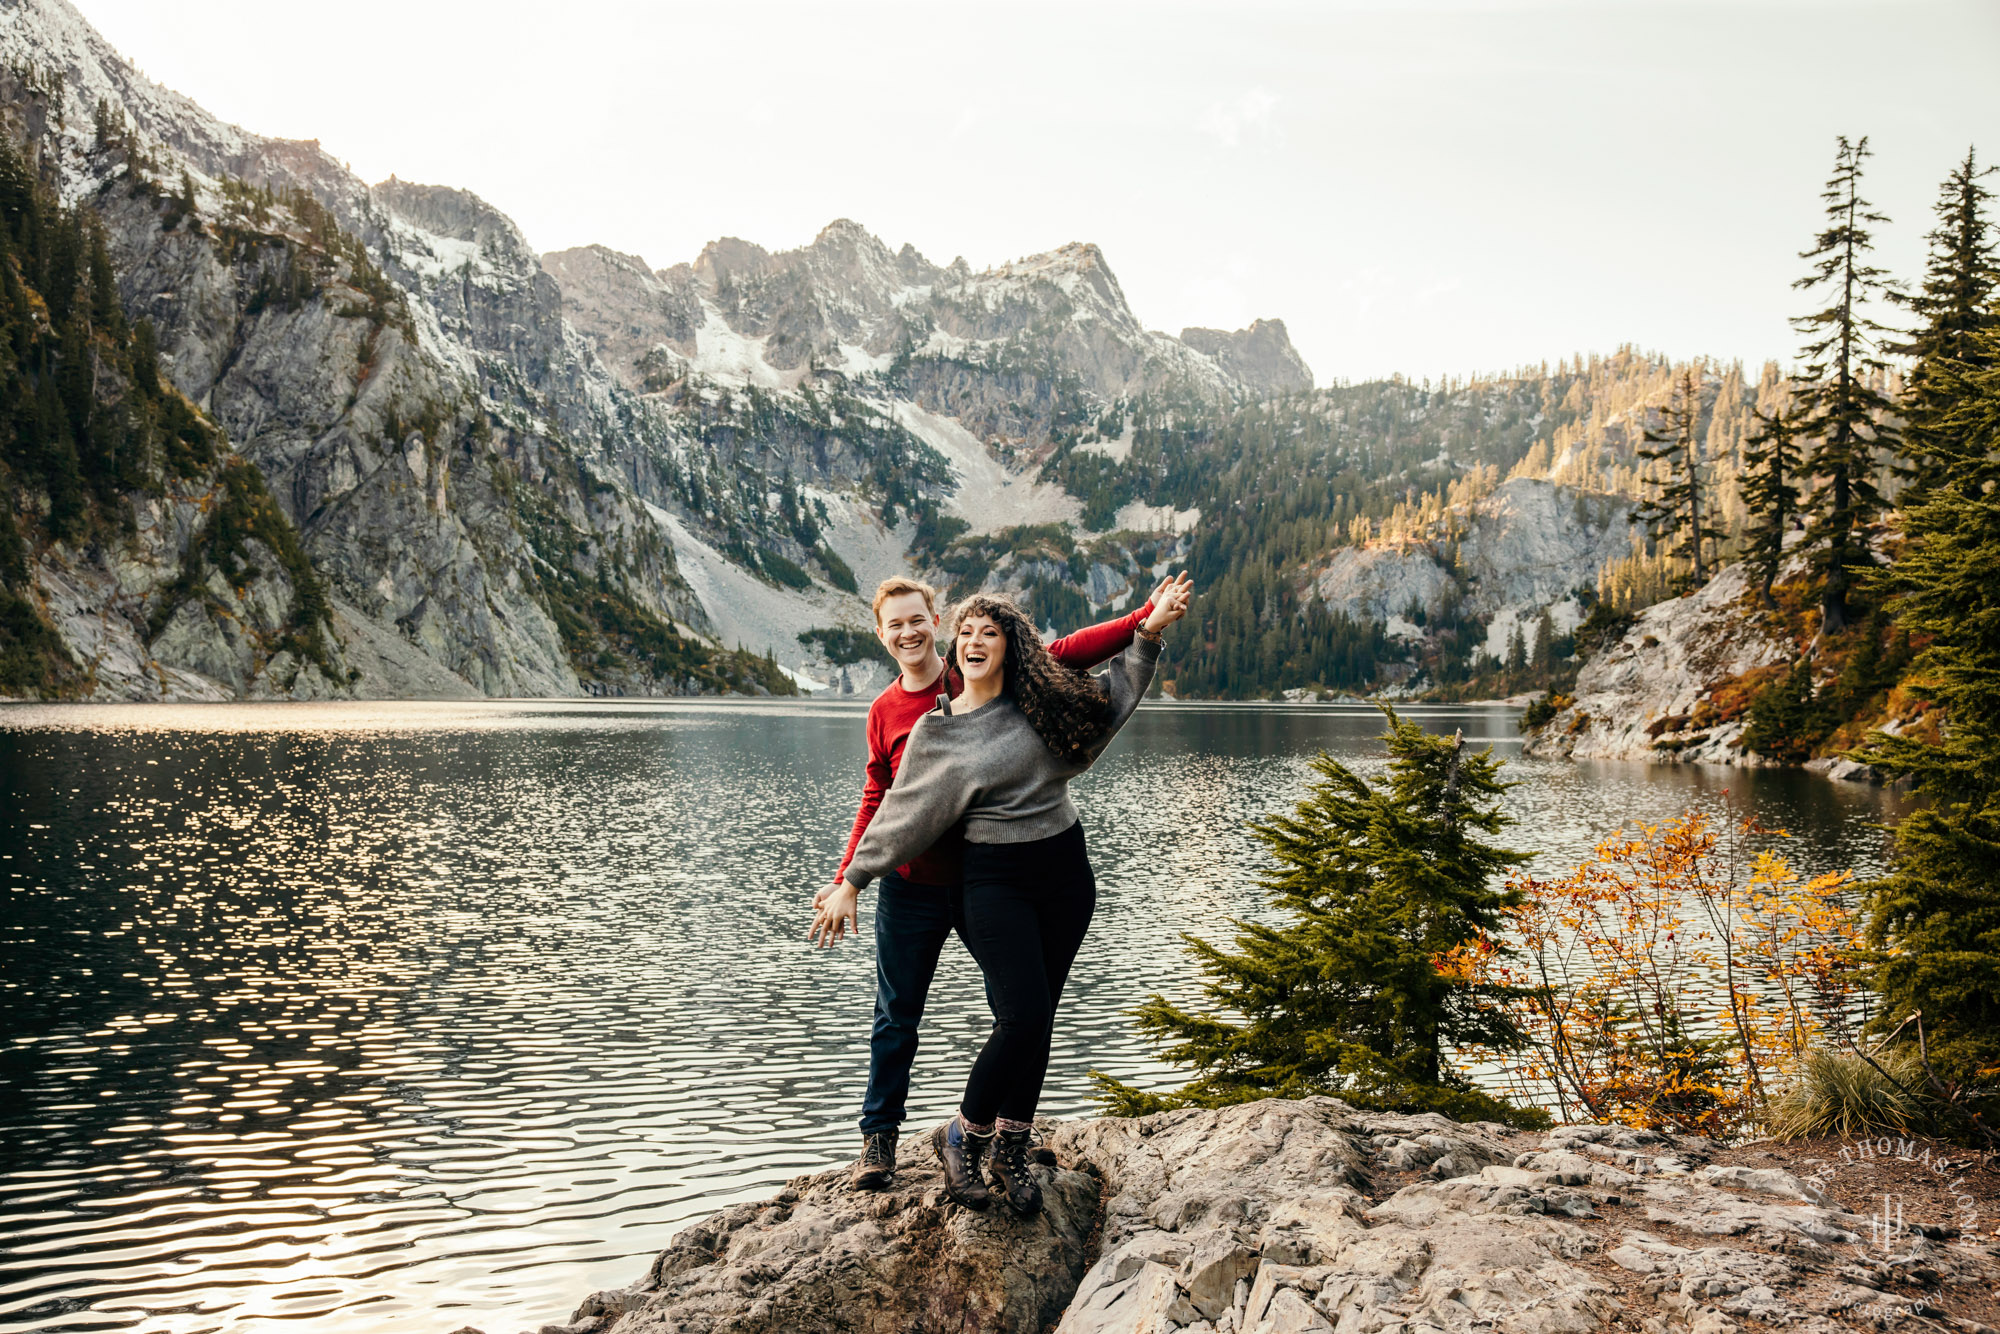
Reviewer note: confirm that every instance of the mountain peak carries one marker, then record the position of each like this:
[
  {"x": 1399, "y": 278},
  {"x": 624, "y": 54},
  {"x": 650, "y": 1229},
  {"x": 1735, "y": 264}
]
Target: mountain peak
[{"x": 1261, "y": 356}]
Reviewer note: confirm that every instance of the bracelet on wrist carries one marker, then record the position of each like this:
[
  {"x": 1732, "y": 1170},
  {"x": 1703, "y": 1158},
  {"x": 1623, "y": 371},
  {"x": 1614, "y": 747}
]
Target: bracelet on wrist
[{"x": 1151, "y": 636}]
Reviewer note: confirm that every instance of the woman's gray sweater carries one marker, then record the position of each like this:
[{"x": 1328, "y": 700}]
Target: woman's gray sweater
[{"x": 992, "y": 769}]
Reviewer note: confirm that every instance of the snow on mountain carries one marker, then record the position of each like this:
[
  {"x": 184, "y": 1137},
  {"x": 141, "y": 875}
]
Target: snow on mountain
[{"x": 987, "y": 495}]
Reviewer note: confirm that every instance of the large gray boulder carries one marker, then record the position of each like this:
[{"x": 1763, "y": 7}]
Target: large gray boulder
[{"x": 1283, "y": 1217}]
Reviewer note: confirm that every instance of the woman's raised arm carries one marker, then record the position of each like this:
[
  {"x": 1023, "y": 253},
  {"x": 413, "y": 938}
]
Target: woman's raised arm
[{"x": 933, "y": 787}]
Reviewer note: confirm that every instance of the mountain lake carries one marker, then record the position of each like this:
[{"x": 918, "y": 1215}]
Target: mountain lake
[{"x": 408, "y": 1016}]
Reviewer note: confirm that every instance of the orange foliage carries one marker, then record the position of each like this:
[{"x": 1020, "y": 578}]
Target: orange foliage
[{"x": 1668, "y": 981}]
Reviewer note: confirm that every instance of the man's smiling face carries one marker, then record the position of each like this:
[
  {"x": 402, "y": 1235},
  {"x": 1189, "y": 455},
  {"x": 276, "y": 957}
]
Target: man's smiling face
[{"x": 908, "y": 628}]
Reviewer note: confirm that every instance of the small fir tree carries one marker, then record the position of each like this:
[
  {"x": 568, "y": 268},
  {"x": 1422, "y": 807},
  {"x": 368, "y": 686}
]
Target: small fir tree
[
  {"x": 1352, "y": 995},
  {"x": 1787, "y": 718},
  {"x": 1770, "y": 494},
  {"x": 1935, "y": 920},
  {"x": 1840, "y": 408}
]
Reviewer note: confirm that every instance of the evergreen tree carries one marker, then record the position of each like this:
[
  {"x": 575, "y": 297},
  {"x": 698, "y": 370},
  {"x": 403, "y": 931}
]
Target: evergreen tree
[
  {"x": 1955, "y": 305},
  {"x": 1839, "y": 409},
  {"x": 1787, "y": 719},
  {"x": 1378, "y": 883},
  {"x": 1543, "y": 656},
  {"x": 1517, "y": 650},
  {"x": 1935, "y": 920},
  {"x": 1679, "y": 508},
  {"x": 1770, "y": 494}
]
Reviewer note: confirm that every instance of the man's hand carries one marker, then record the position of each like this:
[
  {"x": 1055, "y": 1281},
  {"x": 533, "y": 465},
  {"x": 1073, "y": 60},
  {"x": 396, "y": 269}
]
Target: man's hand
[
  {"x": 1170, "y": 602},
  {"x": 835, "y": 911}
]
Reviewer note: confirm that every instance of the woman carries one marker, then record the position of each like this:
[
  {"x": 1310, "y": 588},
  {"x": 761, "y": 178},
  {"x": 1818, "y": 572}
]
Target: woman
[{"x": 1000, "y": 757}]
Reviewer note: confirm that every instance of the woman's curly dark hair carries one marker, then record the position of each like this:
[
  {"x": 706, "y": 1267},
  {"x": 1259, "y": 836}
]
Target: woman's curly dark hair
[{"x": 1067, "y": 708}]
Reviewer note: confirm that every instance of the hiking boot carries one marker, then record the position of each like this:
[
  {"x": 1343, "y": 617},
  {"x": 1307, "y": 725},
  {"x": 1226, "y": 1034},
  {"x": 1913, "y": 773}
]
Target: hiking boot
[
  {"x": 876, "y": 1167},
  {"x": 1010, "y": 1173},
  {"x": 960, "y": 1151}
]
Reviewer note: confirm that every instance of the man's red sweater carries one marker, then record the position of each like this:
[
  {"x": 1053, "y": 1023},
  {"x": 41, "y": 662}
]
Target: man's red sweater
[{"x": 896, "y": 710}]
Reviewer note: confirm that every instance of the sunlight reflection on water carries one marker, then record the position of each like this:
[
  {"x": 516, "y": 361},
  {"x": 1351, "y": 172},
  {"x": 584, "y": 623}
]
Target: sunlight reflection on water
[{"x": 413, "y": 1015}]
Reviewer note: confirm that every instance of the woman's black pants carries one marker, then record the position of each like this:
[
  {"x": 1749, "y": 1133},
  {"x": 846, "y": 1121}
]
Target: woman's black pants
[{"x": 1027, "y": 907}]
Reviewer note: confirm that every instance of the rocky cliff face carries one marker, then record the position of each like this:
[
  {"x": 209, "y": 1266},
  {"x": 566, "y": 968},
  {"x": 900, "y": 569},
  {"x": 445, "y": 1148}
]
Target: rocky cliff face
[
  {"x": 1530, "y": 546},
  {"x": 1282, "y": 1217},
  {"x": 470, "y": 482}
]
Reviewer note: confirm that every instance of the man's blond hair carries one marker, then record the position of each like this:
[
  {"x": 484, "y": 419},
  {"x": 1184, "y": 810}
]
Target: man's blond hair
[{"x": 896, "y": 585}]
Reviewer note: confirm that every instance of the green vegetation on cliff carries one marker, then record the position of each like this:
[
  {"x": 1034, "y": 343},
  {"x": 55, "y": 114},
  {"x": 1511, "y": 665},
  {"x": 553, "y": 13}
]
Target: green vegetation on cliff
[{"x": 89, "y": 427}]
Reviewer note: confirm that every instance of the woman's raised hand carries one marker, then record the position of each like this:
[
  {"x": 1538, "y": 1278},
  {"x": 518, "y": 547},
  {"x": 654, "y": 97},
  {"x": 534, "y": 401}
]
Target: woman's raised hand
[{"x": 1170, "y": 601}]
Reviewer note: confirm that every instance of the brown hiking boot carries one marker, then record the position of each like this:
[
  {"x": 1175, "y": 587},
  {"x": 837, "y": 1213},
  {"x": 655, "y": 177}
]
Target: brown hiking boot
[
  {"x": 876, "y": 1167},
  {"x": 960, "y": 1156},
  {"x": 1010, "y": 1173}
]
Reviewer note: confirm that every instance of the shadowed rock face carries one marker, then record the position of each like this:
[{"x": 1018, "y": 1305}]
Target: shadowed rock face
[
  {"x": 1282, "y": 1217},
  {"x": 1261, "y": 356},
  {"x": 822, "y": 1257}
]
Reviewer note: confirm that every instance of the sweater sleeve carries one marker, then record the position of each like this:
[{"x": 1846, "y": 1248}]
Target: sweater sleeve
[
  {"x": 1126, "y": 681},
  {"x": 880, "y": 773},
  {"x": 932, "y": 790},
  {"x": 1094, "y": 644}
]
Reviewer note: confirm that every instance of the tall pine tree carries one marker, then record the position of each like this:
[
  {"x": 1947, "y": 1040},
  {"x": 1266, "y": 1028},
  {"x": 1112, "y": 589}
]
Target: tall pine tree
[
  {"x": 1378, "y": 882},
  {"x": 1840, "y": 410},
  {"x": 1678, "y": 512},
  {"x": 1935, "y": 921},
  {"x": 1770, "y": 494},
  {"x": 1954, "y": 305}
]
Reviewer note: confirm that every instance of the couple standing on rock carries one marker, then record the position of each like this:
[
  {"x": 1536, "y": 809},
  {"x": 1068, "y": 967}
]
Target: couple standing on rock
[{"x": 967, "y": 823}]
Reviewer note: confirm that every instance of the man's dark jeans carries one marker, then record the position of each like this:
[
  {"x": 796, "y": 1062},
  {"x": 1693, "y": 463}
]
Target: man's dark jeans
[{"x": 912, "y": 923}]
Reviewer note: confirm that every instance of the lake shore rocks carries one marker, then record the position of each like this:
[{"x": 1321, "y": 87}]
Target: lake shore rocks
[{"x": 1284, "y": 1217}]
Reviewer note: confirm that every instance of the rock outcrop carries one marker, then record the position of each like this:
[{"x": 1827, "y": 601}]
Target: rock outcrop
[
  {"x": 1284, "y": 1217},
  {"x": 822, "y": 1257},
  {"x": 1674, "y": 687}
]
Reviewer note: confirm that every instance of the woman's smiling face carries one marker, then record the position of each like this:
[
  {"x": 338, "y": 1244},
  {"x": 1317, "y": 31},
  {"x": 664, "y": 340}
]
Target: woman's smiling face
[{"x": 981, "y": 650}]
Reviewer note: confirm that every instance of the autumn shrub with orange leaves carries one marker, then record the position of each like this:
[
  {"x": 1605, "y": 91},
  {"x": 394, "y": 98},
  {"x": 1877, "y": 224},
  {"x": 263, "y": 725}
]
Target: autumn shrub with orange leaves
[{"x": 1677, "y": 979}]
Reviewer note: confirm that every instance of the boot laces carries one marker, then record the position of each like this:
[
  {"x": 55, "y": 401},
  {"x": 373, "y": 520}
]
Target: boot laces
[
  {"x": 877, "y": 1152},
  {"x": 1012, "y": 1154}
]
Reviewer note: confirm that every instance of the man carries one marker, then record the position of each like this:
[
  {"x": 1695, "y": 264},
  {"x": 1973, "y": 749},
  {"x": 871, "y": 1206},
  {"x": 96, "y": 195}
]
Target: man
[{"x": 914, "y": 905}]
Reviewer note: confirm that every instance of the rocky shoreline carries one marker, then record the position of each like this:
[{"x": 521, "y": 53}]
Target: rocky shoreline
[{"x": 1283, "y": 1217}]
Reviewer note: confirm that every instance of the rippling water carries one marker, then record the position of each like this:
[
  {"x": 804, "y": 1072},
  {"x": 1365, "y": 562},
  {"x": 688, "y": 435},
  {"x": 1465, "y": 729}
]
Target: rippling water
[{"x": 408, "y": 1016}]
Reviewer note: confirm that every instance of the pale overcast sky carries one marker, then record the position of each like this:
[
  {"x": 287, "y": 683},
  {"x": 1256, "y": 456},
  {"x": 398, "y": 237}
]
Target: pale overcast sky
[{"x": 1418, "y": 187}]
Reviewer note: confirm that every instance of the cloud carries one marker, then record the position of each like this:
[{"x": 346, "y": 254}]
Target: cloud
[{"x": 1248, "y": 117}]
